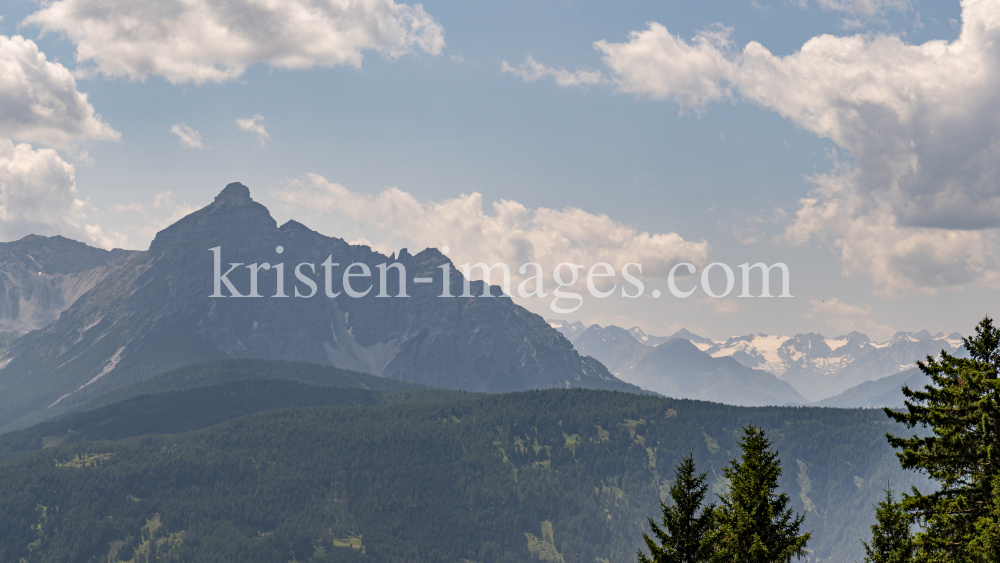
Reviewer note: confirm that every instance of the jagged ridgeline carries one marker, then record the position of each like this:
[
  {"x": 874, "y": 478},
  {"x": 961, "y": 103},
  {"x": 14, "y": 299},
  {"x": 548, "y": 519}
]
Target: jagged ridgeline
[
  {"x": 404, "y": 474},
  {"x": 100, "y": 321}
]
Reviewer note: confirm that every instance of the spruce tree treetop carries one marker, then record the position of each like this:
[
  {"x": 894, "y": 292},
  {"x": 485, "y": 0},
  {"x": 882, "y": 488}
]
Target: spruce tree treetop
[
  {"x": 755, "y": 522},
  {"x": 891, "y": 538},
  {"x": 683, "y": 536},
  {"x": 962, "y": 408}
]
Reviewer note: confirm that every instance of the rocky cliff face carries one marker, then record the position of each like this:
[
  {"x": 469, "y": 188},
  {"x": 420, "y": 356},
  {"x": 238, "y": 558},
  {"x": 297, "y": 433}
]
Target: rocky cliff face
[
  {"x": 154, "y": 312},
  {"x": 40, "y": 277}
]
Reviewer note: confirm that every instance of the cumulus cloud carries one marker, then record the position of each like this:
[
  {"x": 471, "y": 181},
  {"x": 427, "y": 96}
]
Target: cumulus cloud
[
  {"x": 844, "y": 318},
  {"x": 660, "y": 65},
  {"x": 201, "y": 41},
  {"x": 531, "y": 70},
  {"x": 914, "y": 196},
  {"x": 190, "y": 138},
  {"x": 38, "y": 196},
  {"x": 39, "y": 102},
  {"x": 512, "y": 233},
  {"x": 252, "y": 125}
]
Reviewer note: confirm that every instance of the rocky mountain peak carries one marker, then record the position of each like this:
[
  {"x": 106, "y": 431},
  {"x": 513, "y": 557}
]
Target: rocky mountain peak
[
  {"x": 291, "y": 226},
  {"x": 232, "y": 218},
  {"x": 234, "y": 193},
  {"x": 685, "y": 334},
  {"x": 855, "y": 337}
]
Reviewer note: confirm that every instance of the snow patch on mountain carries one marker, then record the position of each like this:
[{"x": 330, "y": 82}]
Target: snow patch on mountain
[{"x": 816, "y": 365}]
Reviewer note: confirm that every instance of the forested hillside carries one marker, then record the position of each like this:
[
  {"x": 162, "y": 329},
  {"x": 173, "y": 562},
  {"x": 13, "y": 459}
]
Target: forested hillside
[
  {"x": 558, "y": 475},
  {"x": 174, "y": 412}
]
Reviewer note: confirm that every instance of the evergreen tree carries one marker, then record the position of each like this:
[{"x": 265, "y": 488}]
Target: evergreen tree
[
  {"x": 891, "y": 538},
  {"x": 682, "y": 538},
  {"x": 755, "y": 523},
  {"x": 962, "y": 408},
  {"x": 985, "y": 548}
]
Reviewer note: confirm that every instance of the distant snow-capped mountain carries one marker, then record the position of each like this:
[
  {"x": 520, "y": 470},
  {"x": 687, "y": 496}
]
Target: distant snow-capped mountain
[
  {"x": 676, "y": 367},
  {"x": 820, "y": 367},
  {"x": 816, "y": 366}
]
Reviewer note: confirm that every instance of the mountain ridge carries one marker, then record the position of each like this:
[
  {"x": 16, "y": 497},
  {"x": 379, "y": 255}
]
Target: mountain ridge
[
  {"x": 40, "y": 277},
  {"x": 154, "y": 313}
]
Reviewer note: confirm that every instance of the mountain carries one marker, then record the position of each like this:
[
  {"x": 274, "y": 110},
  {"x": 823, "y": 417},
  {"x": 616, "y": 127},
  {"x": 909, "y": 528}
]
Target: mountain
[
  {"x": 154, "y": 312},
  {"x": 884, "y": 392},
  {"x": 614, "y": 347},
  {"x": 553, "y": 475},
  {"x": 678, "y": 368},
  {"x": 690, "y": 336},
  {"x": 40, "y": 277},
  {"x": 820, "y": 367},
  {"x": 570, "y": 330},
  {"x": 648, "y": 339},
  {"x": 816, "y": 366},
  {"x": 573, "y": 330}
]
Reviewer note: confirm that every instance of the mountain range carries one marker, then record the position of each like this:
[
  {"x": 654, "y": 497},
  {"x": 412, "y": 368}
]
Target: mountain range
[
  {"x": 89, "y": 322},
  {"x": 102, "y": 320},
  {"x": 676, "y": 367},
  {"x": 817, "y": 368}
]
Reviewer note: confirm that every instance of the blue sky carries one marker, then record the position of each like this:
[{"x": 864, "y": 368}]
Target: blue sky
[{"x": 699, "y": 131}]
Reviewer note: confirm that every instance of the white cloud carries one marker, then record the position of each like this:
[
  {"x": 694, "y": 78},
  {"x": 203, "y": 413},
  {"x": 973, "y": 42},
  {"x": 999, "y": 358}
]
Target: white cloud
[
  {"x": 38, "y": 196},
  {"x": 531, "y": 70},
  {"x": 203, "y": 41},
  {"x": 251, "y": 125},
  {"x": 190, "y": 138},
  {"x": 512, "y": 233},
  {"x": 39, "y": 102},
  {"x": 661, "y": 66},
  {"x": 914, "y": 199},
  {"x": 844, "y": 318}
]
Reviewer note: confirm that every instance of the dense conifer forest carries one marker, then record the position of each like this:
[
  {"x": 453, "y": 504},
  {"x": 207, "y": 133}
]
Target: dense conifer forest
[{"x": 408, "y": 475}]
